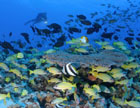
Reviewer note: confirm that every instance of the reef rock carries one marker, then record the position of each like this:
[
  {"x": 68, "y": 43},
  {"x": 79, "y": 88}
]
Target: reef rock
[{"x": 105, "y": 58}]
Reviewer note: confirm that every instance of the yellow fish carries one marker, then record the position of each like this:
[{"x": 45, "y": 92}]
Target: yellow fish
[
  {"x": 19, "y": 65},
  {"x": 24, "y": 92},
  {"x": 102, "y": 43},
  {"x": 108, "y": 47},
  {"x": 54, "y": 80},
  {"x": 74, "y": 41},
  {"x": 122, "y": 82},
  {"x": 91, "y": 92},
  {"x": 58, "y": 100},
  {"x": 64, "y": 86},
  {"x": 4, "y": 96},
  {"x": 115, "y": 70},
  {"x": 81, "y": 50},
  {"x": 54, "y": 71},
  {"x": 50, "y": 51},
  {"x": 100, "y": 68},
  {"x": 118, "y": 101},
  {"x": 4, "y": 66},
  {"x": 17, "y": 73},
  {"x": 103, "y": 76},
  {"x": 38, "y": 72},
  {"x": 7, "y": 79},
  {"x": 135, "y": 104},
  {"x": 131, "y": 65},
  {"x": 118, "y": 43},
  {"x": 20, "y": 55}
]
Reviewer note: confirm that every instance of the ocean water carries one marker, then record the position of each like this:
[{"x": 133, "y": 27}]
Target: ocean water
[{"x": 98, "y": 21}]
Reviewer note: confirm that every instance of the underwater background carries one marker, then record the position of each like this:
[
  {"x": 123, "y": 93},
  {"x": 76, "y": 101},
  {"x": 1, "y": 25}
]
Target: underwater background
[{"x": 69, "y": 54}]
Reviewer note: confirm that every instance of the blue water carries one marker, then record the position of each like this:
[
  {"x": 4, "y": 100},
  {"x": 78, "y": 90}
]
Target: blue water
[{"x": 14, "y": 13}]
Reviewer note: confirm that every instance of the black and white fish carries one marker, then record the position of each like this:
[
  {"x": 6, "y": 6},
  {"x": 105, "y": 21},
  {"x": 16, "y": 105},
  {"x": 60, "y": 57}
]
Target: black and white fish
[
  {"x": 69, "y": 70},
  {"x": 59, "y": 106}
]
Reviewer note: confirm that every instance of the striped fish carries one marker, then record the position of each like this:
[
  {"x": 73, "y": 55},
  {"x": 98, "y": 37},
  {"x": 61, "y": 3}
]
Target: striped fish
[
  {"x": 69, "y": 70},
  {"x": 59, "y": 106}
]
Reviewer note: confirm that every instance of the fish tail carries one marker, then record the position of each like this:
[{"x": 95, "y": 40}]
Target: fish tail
[
  {"x": 31, "y": 72},
  {"x": 5, "y": 101},
  {"x": 24, "y": 77},
  {"x": 8, "y": 95},
  {"x": 125, "y": 102},
  {"x": 28, "y": 22}
]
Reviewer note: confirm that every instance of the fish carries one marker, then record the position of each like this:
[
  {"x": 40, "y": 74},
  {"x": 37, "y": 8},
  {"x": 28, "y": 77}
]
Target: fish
[
  {"x": 97, "y": 87},
  {"x": 90, "y": 30},
  {"x": 47, "y": 32},
  {"x": 100, "y": 68},
  {"x": 33, "y": 29},
  {"x": 49, "y": 51},
  {"x": 56, "y": 28},
  {"x": 97, "y": 27},
  {"x": 102, "y": 43},
  {"x": 70, "y": 16},
  {"x": 38, "y": 31},
  {"x": 26, "y": 37},
  {"x": 54, "y": 71},
  {"x": 103, "y": 76},
  {"x": 74, "y": 29},
  {"x": 81, "y": 50},
  {"x": 60, "y": 41},
  {"x": 91, "y": 92},
  {"x": 24, "y": 92},
  {"x": 69, "y": 70},
  {"x": 20, "y": 55},
  {"x": 129, "y": 40},
  {"x": 64, "y": 86},
  {"x": 68, "y": 22},
  {"x": 122, "y": 82},
  {"x": 135, "y": 104},
  {"x": 79, "y": 41},
  {"x": 7, "y": 79},
  {"x": 10, "y": 34},
  {"x": 41, "y": 17},
  {"x": 86, "y": 22},
  {"x": 4, "y": 96},
  {"x": 54, "y": 80},
  {"x": 104, "y": 89},
  {"x": 130, "y": 66},
  {"x": 84, "y": 39},
  {"x": 118, "y": 101},
  {"x": 76, "y": 98},
  {"x": 108, "y": 47},
  {"x": 7, "y": 45},
  {"x": 58, "y": 100},
  {"x": 17, "y": 73},
  {"x": 81, "y": 17},
  {"x": 38, "y": 72},
  {"x": 4, "y": 66},
  {"x": 107, "y": 35}
]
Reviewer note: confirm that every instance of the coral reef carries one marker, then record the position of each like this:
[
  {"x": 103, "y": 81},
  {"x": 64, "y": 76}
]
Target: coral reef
[{"x": 105, "y": 58}]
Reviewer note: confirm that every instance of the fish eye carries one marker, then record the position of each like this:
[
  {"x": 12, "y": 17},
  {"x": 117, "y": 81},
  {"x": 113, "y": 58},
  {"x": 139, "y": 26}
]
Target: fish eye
[{"x": 90, "y": 74}]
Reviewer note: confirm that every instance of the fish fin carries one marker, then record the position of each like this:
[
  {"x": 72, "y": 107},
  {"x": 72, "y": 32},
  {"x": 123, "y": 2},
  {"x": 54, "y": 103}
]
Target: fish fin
[
  {"x": 8, "y": 95},
  {"x": 29, "y": 22},
  {"x": 30, "y": 71},
  {"x": 5, "y": 101}
]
